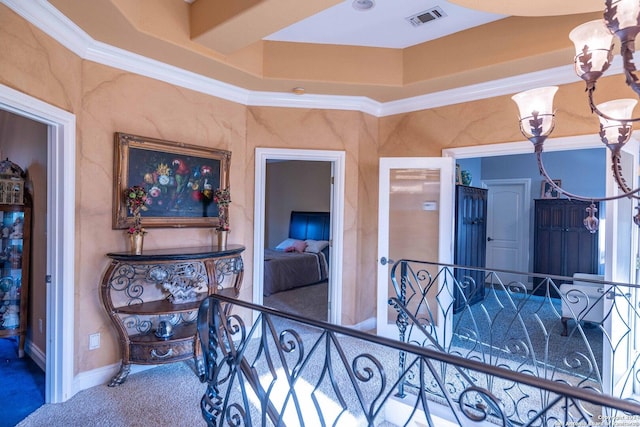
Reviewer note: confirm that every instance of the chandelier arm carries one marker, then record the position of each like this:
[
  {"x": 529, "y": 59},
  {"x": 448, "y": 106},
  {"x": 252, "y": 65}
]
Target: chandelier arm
[
  {"x": 595, "y": 109},
  {"x": 627, "y": 48},
  {"x": 629, "y": 193},
  {"x": 616, "y": 168}
]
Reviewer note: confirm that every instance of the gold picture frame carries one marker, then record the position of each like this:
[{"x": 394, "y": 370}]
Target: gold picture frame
[{"x": 179, "y": 180}]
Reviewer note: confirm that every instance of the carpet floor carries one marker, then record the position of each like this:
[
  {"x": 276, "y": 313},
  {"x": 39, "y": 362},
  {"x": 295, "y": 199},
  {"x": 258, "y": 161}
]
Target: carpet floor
[
  {"x": 168, "y": 395},
  {"x": 308, "y": 301},
  {"x": 22, "y": 390}
]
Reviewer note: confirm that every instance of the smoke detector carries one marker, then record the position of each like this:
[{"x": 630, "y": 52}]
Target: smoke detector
[
  {"x": 363, "y": 4},
  {"x": 429, "y": 15}
]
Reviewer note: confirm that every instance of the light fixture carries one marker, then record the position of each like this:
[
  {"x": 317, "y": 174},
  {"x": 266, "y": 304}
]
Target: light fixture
[
  {"x": 363, "y": 4},
  {"x": 594, "y": 53}
]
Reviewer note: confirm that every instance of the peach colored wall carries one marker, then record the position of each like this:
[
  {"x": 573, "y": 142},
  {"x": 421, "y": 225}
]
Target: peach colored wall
[
  {"x": 106, "y": 100},
  {"x": 323, "y": 130},
  {"x": 112, "y": 101}
]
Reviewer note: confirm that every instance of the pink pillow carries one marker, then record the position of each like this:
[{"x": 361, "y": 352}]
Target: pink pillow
[{"x": 298, "y": 246}]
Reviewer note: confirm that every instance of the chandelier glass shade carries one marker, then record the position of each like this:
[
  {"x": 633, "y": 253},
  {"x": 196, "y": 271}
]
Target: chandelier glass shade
[{"x": 594, "y": 53}]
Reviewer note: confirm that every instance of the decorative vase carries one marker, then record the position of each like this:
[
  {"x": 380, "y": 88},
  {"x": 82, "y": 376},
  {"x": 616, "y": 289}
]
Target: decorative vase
[
  {"x": 136, "y": 241},
  {"x": 222, "y": 239}
]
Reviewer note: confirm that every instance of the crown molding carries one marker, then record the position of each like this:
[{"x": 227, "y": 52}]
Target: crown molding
[{"x": 48, "y": 19}]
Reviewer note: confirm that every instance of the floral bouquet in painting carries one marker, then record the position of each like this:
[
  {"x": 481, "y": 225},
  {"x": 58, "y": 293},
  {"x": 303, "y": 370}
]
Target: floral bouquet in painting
[
  {"x": 136, "y": 200},
  {"x": 222, "y": 198}
]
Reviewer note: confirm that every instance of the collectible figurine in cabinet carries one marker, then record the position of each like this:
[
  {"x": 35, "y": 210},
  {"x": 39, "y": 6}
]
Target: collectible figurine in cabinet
[{"x": 15, "y": 229}]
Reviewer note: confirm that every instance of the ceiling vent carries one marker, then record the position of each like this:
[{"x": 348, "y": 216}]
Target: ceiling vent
[{"x": 426, "y": 16}]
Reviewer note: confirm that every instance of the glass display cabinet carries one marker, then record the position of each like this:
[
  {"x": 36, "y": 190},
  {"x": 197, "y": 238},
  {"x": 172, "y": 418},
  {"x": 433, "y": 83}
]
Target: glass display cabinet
[{"x": 15, "y": 238}]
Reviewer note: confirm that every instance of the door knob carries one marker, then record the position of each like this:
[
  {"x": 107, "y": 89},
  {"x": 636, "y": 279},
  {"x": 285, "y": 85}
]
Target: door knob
[
  {"x": 489, "y": 239},
  {"x": 385, "y": 261}
]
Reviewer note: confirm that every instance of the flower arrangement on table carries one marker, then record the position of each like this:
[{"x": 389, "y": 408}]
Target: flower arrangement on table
[
  {"x": 136, "y": 200},
  {"x": 222, "y": 198}
]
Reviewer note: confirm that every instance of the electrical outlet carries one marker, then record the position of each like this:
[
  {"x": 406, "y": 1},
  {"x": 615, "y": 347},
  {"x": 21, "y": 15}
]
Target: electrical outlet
[{"x": 94, "y": 341}]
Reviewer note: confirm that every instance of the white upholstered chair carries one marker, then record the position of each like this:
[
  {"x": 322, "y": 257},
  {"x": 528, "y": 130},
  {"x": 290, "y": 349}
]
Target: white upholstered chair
[{"x": 582, "y": 301}]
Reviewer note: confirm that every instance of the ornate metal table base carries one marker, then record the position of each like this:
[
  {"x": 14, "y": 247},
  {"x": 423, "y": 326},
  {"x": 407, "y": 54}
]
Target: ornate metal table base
[{"x": 153, "y": 299}]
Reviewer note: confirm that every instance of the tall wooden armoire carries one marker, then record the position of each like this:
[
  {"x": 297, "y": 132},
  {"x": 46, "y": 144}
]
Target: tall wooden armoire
[
  {"x": 470, "y": 244},
  {"x": 562, "y": 244}
]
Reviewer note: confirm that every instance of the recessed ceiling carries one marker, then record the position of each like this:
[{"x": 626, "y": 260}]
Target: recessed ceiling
[
  {"x": 326, "y": 47},
  {"x": 534, "y": 8},
  {"x": 385, "y": 25}
]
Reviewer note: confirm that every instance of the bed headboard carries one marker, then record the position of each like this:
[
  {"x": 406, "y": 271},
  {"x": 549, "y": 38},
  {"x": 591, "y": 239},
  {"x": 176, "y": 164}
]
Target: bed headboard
[{"x": 309, "y": 225}]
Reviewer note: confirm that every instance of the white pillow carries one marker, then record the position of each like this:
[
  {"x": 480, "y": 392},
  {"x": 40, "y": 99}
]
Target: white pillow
[
  {"x": 287, "y": 243},
  {"x": 316, "y": 246}
]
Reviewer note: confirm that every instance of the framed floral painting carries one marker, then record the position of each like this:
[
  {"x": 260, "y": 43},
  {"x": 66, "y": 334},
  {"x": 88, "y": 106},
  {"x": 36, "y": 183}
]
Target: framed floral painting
[{"x": 180, "y": 181}]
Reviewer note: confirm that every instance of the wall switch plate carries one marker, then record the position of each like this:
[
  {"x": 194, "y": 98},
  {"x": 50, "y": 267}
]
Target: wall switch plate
[{"x": 94, "y": 341}]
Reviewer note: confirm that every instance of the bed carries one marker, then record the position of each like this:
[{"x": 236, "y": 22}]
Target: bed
[{"x": 303, "y": 257}]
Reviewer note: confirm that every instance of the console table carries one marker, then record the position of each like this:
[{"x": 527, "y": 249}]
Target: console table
[{"x": 153, "y": 300}]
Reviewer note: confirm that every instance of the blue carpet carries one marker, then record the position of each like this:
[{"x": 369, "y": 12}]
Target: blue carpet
[{"x": 21, "y": 384}]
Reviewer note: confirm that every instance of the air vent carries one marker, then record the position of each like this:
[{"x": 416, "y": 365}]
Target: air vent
[{"x": 426, "y": 16}]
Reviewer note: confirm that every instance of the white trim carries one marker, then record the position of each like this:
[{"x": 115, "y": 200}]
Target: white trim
[
  {"x": 366, "y": 325},
  {"x": 102, "y": 375},
  {"x": 36, "y": 354},
  {"x": 51, "y": 21},
  {"x": 524, "y": 147},
  {"x": 61, "y": 172},
  {"x": 337, "y": 219}
]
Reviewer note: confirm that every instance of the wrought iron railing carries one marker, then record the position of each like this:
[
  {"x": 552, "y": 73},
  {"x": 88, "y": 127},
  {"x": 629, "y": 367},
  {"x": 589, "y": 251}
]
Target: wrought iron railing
[
  {"x": 564, "y": 330},
  {"x": 284, "y": 369}
]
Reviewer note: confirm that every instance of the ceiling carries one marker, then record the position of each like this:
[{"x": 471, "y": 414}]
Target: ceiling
[{"x": 328, "y": 47}]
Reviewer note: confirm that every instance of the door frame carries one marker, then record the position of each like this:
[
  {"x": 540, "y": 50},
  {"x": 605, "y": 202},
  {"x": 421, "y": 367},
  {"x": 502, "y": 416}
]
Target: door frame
[
  {"x": 60, "y": 244},
  {"x": 337, "y": 160},
  {"x": 445, "y": 241},
  {"x": 610, "y": 229},
  {"x": 524, "y": 147},
  {"x": 526, "y": 225}
]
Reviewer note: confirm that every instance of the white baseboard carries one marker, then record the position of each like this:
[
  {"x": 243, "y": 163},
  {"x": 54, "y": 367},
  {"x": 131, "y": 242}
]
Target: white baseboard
[
  {"x": 397, "y": 409},
  {"x": 366, "y": 325},
  {"x": 36, "y": 354},
  {"x": 103, "y": 375}
]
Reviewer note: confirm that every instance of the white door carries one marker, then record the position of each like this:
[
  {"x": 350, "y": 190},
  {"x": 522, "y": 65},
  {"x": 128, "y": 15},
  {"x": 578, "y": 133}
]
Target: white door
[
  {"x": 415, "y": 221},
  {"x": 620, "y": 259},
  {"x": 508, "y": 218}
]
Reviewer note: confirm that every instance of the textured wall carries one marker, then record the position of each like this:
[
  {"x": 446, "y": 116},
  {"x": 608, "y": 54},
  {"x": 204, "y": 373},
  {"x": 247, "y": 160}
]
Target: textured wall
[{"x": 106, "y": 100}]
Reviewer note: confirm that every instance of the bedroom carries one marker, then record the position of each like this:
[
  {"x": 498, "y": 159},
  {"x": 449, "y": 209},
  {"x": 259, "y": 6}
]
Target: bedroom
[{"x": 296, "y": 185}]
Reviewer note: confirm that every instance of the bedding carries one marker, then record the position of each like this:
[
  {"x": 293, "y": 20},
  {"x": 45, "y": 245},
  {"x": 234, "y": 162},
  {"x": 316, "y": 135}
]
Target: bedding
[
  {"x": 302, "y": 258},
  {"x": 290, "y": 270}
]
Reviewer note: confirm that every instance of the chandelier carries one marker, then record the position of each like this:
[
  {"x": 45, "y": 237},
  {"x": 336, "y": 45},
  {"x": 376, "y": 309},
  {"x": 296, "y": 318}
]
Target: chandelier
[{"x": 594, "y": 53}]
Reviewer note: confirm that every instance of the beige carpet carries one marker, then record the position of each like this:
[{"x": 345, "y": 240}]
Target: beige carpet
[
  {"x": 308, "y": 301},
  {"x": 148, "y": 398}
]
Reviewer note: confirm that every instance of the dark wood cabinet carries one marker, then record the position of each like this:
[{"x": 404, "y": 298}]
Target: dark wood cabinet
[
  {"x": 562, "y": 244},
  {"x": 470, "y": 244}
]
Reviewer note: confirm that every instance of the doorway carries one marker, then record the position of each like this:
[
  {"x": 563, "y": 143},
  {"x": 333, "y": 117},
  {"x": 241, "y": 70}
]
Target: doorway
[
  {"x": 60, "y": 241},
  {"x": 336, "y": 159},
  {"x": 296, "y": 187},
  {"x": 508, "y": 226}
]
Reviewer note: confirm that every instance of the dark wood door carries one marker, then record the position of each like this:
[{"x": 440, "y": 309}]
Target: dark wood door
[
  {"x": 470, "y": 244},
  {"x": 562, "y": 244}
]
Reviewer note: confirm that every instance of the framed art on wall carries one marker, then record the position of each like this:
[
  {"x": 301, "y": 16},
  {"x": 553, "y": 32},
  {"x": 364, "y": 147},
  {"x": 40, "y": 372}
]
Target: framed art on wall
[
  {"x": 548, "y": 192},
  {"x": 179, "y": 180}
]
